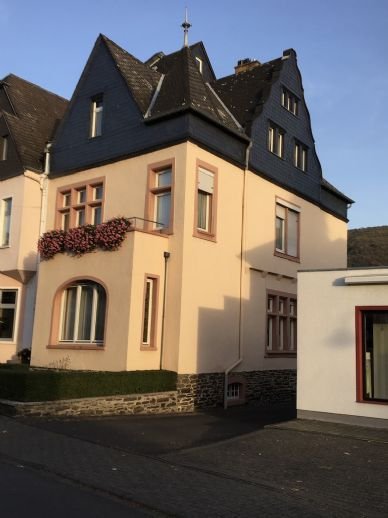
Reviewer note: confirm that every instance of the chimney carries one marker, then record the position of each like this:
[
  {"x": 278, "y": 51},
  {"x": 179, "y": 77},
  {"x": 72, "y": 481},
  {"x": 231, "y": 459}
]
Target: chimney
[{"x": 244, "y": 65}]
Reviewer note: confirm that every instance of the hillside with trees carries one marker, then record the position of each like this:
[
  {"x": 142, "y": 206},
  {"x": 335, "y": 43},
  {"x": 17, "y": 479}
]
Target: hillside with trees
[{"x": 368, "y": 246}]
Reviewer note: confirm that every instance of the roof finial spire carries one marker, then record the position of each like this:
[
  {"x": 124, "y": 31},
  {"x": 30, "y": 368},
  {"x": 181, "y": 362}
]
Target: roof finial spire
[{"x": 186, "y": 26}]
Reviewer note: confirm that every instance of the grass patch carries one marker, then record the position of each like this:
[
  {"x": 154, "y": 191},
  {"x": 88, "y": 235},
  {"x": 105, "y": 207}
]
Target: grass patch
[{"x": 20, "y": 383}]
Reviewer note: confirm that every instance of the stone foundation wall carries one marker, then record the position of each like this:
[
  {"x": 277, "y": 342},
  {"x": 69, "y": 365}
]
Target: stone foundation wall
[
  {"x": 270, "y": 386},
  {"x": 207, "y": 390},
  {"x": 194, "y": 391},
  {"x": 201, "y": 390},
  {"x": 157, "y": 403}
]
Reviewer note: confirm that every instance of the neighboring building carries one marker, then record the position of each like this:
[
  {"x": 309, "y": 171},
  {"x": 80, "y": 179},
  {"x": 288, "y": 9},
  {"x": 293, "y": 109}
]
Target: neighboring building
[
  {"x": 368, "y": 247},
  {"x": 343, "y": 346},
  {"x": 226, "y": 198},
  {"x": 28, "y": 116}
]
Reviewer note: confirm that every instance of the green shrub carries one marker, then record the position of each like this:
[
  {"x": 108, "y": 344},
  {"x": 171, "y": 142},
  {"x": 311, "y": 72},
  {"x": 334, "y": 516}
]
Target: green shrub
[{"x": 19, "y": 383}]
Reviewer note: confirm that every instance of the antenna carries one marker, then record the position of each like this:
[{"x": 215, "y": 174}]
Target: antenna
[{"x": 186, "y": 26}]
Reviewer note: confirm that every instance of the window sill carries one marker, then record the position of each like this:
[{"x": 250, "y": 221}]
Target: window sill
[
  {"x": 372, "y": 402},
  {"x": 289, "y": 111},
  {"x": 277, "y": 156},
  {"x": 280, "y": 354},
  {"x": 207, "y": 236},
  {"x": 300, "y": 169},
  {"x": 4, "y": 246},
  {"x": 286, "y": 256},
  {"x": 77, "y": 347},
  {"x": 148, "y": 348}
]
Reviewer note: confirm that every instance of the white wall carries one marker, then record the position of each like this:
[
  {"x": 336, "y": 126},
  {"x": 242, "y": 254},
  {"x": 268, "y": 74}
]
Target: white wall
[{"x": 327, "y": 341}]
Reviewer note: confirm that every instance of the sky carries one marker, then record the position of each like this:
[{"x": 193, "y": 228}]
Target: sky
[{"x": 342, "y": 49}]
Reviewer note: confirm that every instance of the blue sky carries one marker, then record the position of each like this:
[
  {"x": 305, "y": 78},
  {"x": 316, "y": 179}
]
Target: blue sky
[{"x": 342, "y": 48}]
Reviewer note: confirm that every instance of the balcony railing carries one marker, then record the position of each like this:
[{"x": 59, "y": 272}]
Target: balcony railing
[{"x": 146, "y": 225}]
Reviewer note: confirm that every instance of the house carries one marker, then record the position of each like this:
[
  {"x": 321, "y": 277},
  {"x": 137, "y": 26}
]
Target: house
[
  {"x": 28, "y": 116},
  {"x": 343, "y": 346},
  {"x": 222, "y": 189},
  {"x": 368, "y": 246}
]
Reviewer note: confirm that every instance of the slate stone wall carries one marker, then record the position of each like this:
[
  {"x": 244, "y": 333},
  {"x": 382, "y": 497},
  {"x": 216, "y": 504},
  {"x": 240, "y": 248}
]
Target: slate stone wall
[
  {"x": 194, "y": 391},
  {"x": 156, "y": 403},
  {"x": 207, "y": 390}
]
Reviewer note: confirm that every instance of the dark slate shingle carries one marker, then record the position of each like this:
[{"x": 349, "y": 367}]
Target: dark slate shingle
[
  {"x": 140, "y": 78},
  {"x": 246, "y": 92},
  {"x": 37, "y": 113},
  {"x": 184, "y": 87}
]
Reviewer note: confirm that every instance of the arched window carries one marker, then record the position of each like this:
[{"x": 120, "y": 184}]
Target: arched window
[{"x": 83, "y": 313}]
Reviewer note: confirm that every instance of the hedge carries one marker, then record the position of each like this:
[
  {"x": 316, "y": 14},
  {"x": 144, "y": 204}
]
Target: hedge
[{"x": 20, "y": 383}]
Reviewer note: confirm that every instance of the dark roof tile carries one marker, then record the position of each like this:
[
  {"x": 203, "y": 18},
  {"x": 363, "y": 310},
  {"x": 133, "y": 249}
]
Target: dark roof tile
[
  {"x": 140, "y": 78},
  {"x": 184, "y": 87},
  {"x": 37, "y": 113},
  {"x": 246, "y": 92}
]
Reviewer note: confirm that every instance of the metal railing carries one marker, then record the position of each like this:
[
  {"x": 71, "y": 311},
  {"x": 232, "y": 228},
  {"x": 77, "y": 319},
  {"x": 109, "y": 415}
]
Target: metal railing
[{"x": 146, "y": 225}]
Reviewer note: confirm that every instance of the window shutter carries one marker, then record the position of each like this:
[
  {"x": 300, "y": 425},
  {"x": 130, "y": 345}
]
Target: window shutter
[{"x": 205, "y": 181}]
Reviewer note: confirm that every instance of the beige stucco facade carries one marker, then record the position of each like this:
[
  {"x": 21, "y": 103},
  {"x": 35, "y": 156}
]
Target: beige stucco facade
[
  {"x": 327, "y": 385},
  {"x": 18, "y": 259},
  {"x": 215, "y": 297}
]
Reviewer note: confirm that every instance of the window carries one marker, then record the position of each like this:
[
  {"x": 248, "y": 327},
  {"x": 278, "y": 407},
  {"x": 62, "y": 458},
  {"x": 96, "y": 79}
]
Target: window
[
  {"x": 276, "y": 140},
  {"x": 159, "y": 208},
  {"x": 8, "y": 300},
  {"x": 149, "y": 312},
  {"x": 80, "y": 205},
  {"x": 5, "y": 221},
  {"x": 96, "y": 116},
  {"x": 281, "y": 323},
  {"x": 233, "y": 391},
  {"x": 289, "y": 101},
  {"x": 300, "y": 156},
  {"x": 3, "y": 147},
  {"x": 287, "y": 230},
  {"x": 372, "y": 354},
  {"x": 83, "y": 313},
  {"x": 205, "y": 209}
]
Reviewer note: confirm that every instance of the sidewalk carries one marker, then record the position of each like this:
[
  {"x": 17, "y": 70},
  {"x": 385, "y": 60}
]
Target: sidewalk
[{"x": 272, "y": 472}]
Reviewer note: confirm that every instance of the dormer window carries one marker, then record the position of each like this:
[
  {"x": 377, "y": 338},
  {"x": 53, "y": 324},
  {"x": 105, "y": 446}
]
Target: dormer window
[
  {"x": 96, "y": 116},
  {"x": 276, "y": 140},
  {"x": 3, "y": 147},
  {"x": 300, "y": 156},
  {"x": 289, "y": 101}
]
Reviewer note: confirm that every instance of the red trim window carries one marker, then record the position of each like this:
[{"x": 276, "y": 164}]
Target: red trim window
[
  {"x": 281, "y": 323},
  {"x": 287, "y": 231},
  {"x": 372, "y": 353},
  {"x": 80, "y": 204}
]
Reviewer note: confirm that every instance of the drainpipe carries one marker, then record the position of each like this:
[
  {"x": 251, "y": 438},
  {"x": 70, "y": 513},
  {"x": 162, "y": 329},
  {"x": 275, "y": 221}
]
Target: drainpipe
[
  {"x": 242, "y": 262},
  {"x": 166, "y": 256},
  {"x": 43, "y": 181},
  {"x": 43, "y": 188}
]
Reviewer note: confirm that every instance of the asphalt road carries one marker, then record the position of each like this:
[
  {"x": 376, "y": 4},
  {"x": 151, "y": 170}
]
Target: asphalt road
[
  {"x": 25, "y": 491},
  {"x": 246, "y": 462}
]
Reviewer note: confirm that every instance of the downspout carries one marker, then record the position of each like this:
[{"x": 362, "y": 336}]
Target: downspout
[
  {"x": 43, "y": 180},
  {"x": 242, "y": 262},
  {"x": 43, "y": 188},
  {"x": 166, "y": 256}
]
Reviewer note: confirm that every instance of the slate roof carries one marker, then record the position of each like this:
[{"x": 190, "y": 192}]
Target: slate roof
[
  {"x": 245, "y": 93},
  {"x": 184, "y": 87},
  {"x": 328, "y": 186},
  {"x": 140, "y": 78},
  {"x": 34, "y": 120}
]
